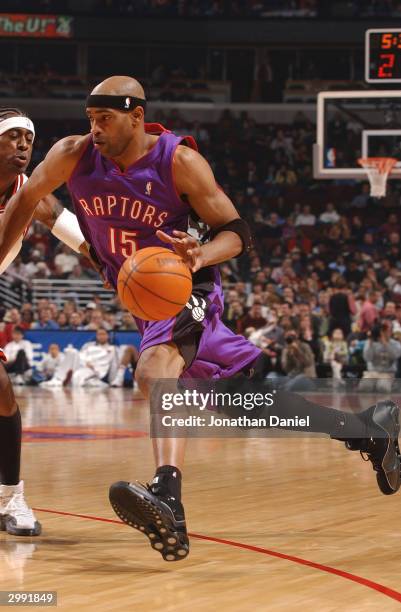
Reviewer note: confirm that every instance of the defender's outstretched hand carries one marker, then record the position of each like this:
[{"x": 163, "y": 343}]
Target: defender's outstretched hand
[{"x": 185, "y": 246}]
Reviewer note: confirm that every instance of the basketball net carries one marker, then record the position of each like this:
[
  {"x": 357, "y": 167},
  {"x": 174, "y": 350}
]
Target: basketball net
[{"x": 377, "y": 169}]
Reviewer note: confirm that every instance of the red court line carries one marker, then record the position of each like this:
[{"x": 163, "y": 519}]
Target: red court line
[
  {"x": 380, "y": 588},
  {"x": 78, "y": 434}
]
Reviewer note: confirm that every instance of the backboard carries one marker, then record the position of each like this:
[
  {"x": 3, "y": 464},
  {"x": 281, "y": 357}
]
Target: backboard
[{"x": 354, "y": 124}]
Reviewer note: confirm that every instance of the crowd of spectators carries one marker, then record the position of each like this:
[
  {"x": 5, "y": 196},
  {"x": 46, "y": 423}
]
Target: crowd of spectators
[
  {"x": 47, "y": 315},
  {"x": 98, "y": 363},
  {"x": 171, "y": 8},
  {"x": 325, "y": 272},
  {"x": 213, "y": 8},
  {"x": 372, "y": 8}
]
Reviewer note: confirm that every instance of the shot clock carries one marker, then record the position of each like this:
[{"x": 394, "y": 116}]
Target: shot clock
[{"x": 383, "y": 56}]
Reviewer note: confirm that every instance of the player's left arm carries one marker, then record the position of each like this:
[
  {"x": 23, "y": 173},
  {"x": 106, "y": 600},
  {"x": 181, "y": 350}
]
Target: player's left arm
[{"x": 194, "y": 178}]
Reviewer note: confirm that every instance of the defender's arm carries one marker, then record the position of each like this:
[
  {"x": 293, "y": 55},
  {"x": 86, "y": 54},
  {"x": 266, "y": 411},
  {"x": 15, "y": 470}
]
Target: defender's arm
[
  {"x": 55, "y": 170},
  {"x": 62, "y": 223}
]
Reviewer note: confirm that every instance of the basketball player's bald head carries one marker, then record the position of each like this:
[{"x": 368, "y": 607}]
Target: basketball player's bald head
[
  {"x": 115, "y": 109},
  {"x": 119, "y": 86}
]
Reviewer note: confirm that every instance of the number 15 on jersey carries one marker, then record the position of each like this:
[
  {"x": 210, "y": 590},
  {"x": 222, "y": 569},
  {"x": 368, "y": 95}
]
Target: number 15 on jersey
[{"x": 122, "y": 242}]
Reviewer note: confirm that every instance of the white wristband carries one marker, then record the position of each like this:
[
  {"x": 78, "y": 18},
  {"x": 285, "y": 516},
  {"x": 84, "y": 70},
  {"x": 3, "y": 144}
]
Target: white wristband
[{"x": 66, "y": 229}]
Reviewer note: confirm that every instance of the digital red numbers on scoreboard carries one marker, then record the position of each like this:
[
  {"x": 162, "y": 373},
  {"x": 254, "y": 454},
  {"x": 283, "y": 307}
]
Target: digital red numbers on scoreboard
[{"x": 383, "y": 56}]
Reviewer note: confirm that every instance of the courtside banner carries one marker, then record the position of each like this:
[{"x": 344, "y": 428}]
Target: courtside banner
[{"x": 36, "y": 26}]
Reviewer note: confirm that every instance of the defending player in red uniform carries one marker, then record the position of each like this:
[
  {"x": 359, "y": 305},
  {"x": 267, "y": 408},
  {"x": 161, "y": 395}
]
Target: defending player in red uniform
[{"x": 17, "y": 134}]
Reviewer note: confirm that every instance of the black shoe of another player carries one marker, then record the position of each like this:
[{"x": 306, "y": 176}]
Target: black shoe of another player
[
  {"x": 160, "y": 517},
  {"x": 383, "y": 452}
]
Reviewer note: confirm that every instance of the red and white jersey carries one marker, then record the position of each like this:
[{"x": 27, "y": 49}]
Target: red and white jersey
[{"x": 12, "y": 254}]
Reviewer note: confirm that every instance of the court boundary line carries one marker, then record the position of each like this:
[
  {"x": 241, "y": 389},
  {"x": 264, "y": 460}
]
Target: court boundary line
[{"x": 376, "y": 586}]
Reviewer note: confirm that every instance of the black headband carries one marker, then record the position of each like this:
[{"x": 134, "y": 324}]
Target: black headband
[{"x": 121, "y": 103}]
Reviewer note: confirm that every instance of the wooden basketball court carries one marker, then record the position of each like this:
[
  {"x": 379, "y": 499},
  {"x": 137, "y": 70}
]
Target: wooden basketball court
[{"x": 276, "y": 524}]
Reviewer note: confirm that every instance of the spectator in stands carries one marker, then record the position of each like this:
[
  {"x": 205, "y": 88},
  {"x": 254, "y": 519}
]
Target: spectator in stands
[
  {"x": 297, "y": 360},
  {"x": 19, "y": 353},
  {"x": 303, "y": 310},
  {"x": 369, "y": 313},
  {"x": 12, "y": 318},
  {"x": 330, "y": 215},
  {"x": 305, "y": 217},
  {"x": 50, "y": 362},
  {"x": 75, "y": 321},
  {"x": 309, "y": 336},
  {"x": 32, "y": 267},
  {"x": 341, "y": 307},
  {"x": 233, "y": 313},
  {"x": 270, "y": 337},
  {"x": 96, "y": 320},
  {"x": 255, "y": 295},
  {"x": 335, "y": 353},
  {"x": 363, "y": 198},
  {"x": 69, "y": 307},
  {"x": 253, "y": 318},
  {"x": 62, "y": 320},
  {"x": 42, "y": 270},
  {"x": 393, "y": 281},
  {"x": 286, "y": 176},
  {"x": 368, "y": 246},
  {"x": 397, "y": 321},
  {"x": 45, "y": 320},
  {"x": 129, "y": 359},
  {"x": 127, "y": 322},
  {"x": 27, "y": 317},
  {"x": 66, "y": 260},
  {"x": 79, "y": 273},
  {"x": 87, "y": 367},
  {"x": 391, "y": 226},
  {"x": 18, "y": 268},
  {"x": 389, "y": 312},
  {"x": 274, "y": 226},
  {"x": 381, "y": 353},
  {"x": 282, "y": 143},
  {"x": 393, "y": 239},
  {"x": 40, "y": 238},
  {"x": 200, "y": 133},
  {"x": 353, "y": 274}
]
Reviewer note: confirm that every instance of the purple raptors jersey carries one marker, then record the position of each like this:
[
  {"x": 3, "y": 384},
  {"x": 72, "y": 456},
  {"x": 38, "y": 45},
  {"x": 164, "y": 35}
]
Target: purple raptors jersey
[{"x": 120, "y": 212}]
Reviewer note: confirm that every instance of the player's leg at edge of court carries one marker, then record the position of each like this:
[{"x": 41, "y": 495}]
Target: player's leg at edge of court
[
  {"x": 16, "y": 518},
  {"x": 377, "y": 428},
  {"x": 156, "y": 509}
]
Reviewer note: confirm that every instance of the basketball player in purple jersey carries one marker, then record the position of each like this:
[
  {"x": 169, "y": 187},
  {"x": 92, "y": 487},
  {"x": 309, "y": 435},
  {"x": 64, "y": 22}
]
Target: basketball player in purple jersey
[
  {"x": 17, "y": 134},
  {"x": 133, "y": 188}
]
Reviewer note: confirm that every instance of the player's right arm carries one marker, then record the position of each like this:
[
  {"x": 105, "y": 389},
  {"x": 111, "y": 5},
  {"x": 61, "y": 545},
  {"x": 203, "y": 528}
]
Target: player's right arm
[{"x": 54, "y": 170}]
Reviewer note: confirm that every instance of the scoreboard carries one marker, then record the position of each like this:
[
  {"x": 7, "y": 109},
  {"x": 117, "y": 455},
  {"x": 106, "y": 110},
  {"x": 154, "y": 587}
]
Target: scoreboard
[{"x": 383, "y": 55}]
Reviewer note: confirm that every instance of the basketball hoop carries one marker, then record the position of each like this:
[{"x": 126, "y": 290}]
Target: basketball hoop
[{"x": 377, "y": 169}]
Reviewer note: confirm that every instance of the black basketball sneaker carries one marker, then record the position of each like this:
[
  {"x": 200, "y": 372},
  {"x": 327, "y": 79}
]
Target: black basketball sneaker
[
  {"x": 383, "y": 452},
  {"x": 155, "y": 513}
]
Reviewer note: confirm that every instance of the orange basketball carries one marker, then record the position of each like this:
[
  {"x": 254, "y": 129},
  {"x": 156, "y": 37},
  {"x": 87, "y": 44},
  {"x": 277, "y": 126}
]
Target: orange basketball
[{"x": 154, "y": 284}]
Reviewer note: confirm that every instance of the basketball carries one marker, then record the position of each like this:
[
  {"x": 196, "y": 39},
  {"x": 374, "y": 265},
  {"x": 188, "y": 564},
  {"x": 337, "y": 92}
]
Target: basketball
[{"x": 154, "y": 284}]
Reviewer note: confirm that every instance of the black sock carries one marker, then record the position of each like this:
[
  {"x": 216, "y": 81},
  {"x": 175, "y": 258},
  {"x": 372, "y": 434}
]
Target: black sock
[
  {"x": 167, "y": 481},
  {"x": 10, "y": 449}
]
